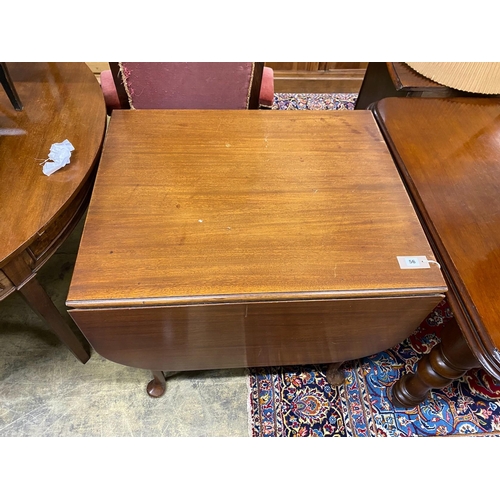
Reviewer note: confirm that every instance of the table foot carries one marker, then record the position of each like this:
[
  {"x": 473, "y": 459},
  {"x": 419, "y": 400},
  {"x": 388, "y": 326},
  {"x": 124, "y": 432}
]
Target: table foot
[
  {"x": 447, "y": 361},
  {"x": 156, "y": 387},
  {"x": 334, "y": 375}
]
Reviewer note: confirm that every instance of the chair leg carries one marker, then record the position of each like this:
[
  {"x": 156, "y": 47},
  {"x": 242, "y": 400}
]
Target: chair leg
[{"x": 9, "y": 88}]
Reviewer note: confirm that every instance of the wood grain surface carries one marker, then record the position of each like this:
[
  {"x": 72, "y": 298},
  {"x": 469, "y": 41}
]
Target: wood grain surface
[
  {"x": 448, "y": 151},
  {"x": 215, "y": 206},
  {"x": 61, "y": 101},
  {"x": 202, "y": 337},
  {"x": 37, "y": 212},
  {"x": 406, "y": 78}
]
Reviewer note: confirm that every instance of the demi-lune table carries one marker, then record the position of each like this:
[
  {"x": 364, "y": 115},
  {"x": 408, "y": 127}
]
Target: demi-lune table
[
  {"x": 448, "y": 152},
  {"x": 37, "y": 212},
  {"x": 222, "y": 239}
]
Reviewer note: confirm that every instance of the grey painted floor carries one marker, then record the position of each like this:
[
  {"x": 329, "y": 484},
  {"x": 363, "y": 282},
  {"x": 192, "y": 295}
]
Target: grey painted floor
[{"x": 45, "y": 391}]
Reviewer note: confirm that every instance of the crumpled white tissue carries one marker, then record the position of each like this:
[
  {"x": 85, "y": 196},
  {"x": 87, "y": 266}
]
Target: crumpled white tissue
[{"x": 60, "y": 154}]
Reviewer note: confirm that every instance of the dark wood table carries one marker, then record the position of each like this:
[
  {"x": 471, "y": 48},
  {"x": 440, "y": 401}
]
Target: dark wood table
[
  {"x": 222, "y": 239},
  {"x": 397, "y": 79},
  {"x": 448, "y": 153},
  {"x": 60, "y": 101}
]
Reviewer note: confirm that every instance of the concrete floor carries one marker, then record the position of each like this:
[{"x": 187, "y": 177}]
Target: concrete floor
[{"x": 46, "y": 391}]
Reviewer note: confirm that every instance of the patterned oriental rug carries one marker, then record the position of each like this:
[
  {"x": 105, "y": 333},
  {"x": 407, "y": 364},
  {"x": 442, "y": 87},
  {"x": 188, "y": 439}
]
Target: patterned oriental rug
[
  {"x": 298, "y": 401},
  {"x": 314, "y": 101}
]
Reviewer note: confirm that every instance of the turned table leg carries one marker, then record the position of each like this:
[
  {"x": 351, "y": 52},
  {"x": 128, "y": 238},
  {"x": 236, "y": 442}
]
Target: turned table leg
[
  {"x": 449, "y": 360},
  {"x": 334, "y": 375},
  {"x": 36, "y": 297}
]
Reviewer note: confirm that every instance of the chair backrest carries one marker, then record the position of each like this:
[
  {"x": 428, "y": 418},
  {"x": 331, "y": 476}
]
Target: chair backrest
[{"x": 188, "y": 85}]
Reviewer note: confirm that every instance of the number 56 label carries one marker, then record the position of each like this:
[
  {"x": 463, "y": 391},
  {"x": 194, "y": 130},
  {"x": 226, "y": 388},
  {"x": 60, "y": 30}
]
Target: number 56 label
[{"x": 413, "y": 262}]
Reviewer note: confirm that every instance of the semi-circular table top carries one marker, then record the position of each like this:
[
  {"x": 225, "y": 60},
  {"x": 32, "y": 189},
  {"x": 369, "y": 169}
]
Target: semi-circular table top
[{"x": 60, "y": 101}]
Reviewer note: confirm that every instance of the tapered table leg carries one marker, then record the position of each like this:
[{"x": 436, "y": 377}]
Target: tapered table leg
[
  {"x": 9, "y": 88},
  {"x": 28, "y": 286},
  {"x": 376, "y": 85},
  {"x": 449, "y": 360}
]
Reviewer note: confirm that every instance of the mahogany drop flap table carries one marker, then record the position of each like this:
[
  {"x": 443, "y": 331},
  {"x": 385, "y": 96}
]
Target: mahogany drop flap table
[{"x": 221, "y": 239}]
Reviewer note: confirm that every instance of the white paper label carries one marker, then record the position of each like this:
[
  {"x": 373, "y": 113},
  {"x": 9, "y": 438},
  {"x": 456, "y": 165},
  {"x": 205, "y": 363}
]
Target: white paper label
[{"x": 413, "y": 262}]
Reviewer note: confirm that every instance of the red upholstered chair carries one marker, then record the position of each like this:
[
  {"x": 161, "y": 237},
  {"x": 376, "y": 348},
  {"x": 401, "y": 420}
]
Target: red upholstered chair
[{"x": 187, "y": 85}]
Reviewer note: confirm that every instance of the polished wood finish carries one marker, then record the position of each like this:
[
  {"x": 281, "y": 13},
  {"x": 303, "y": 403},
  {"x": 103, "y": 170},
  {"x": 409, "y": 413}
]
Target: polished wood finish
[
  {"x": 24, "y": 279},
  {"x": 320, "y": 82},
  {"x": 157, "y": 385},
  {"x": 116, "y": 72},
  {"x": 254, "y": 96},
  {"x": 448, "y": 361},
  {"x": 447, "y": 151},
  {"x": 318, "y": 77},
  {"x": 405, "y": 78},
  {"x": 61, "y": 101},
  {"x": 397, "y": 79},
  {"x": 267, "y": 333},
  {"x": 315, "y": 66},
  {"x": 219, "y": 239}
]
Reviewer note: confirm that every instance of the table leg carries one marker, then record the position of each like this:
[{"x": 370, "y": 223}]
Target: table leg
[
  {"x": 448, "y": 361},
  {"x": 9, "y": 88},
  {"x": 156, "y": 387},
  {"x": 376, "y": 85},
  {"x": 28, "y": 286},
  {"x": 334, "y": 375}
]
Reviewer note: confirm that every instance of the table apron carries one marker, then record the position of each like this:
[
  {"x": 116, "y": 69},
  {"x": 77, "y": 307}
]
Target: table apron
[{"x": 217, "y": 336}]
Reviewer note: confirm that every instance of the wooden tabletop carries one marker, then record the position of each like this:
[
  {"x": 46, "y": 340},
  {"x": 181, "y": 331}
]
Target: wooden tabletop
[
  {"x": 448, "y": 151},
  {"x": 406, "y": 78},
  {"x": 61, "y": 101},
  {"x": 213, "y": 206}
]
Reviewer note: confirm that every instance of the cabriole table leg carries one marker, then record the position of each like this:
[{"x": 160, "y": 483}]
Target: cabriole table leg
[
  {"x": 447, "y": 361},
  {"x": 156, "y": 387},
  {"x": 334, "y": 375}
]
